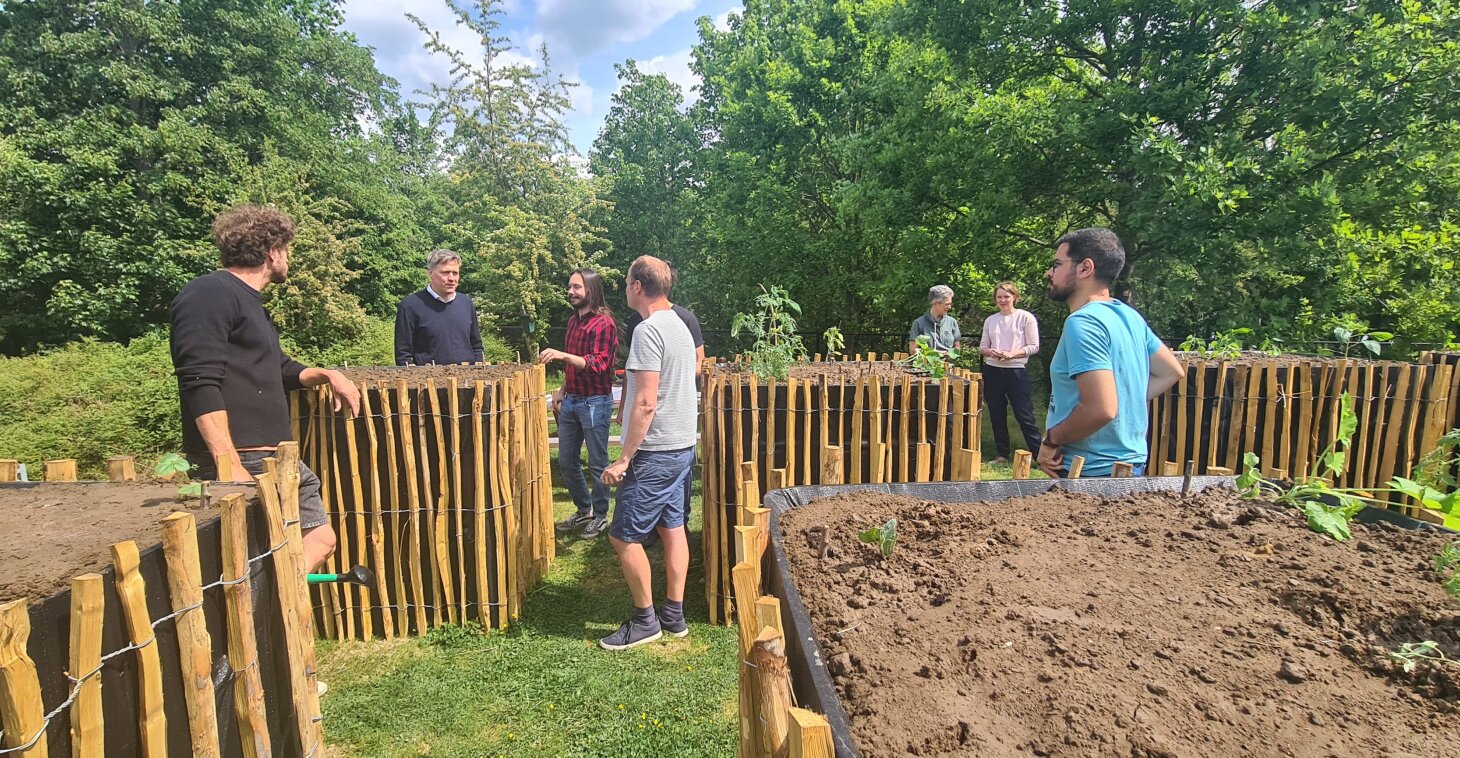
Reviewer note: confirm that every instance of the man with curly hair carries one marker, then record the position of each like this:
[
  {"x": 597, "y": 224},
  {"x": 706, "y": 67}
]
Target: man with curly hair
[{"x": 231, "y": 372}]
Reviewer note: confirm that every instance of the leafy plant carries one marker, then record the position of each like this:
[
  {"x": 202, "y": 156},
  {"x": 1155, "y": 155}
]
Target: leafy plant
[
  {"x": 1226, "y": 344},
  {"x": 929, "y": 360},
  {"x": 1307, "y": 493},
  {"x": 834, "y": 341},
  {"x": 1447, "y": 563},
  {"x": 773, "y": 326},
  {"x": 1270, "y": 346},
  {"x": 172, "y": 464},
  {"x": 1410, "y": 654},
  {"x": 1435, "y": 467},
  {"x": 1348, "y": 337},
  {"x": 885, "y": 537}
]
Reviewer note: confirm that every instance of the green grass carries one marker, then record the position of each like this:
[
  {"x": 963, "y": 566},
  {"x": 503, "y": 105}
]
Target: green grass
[{"x": 543, "y": 687}]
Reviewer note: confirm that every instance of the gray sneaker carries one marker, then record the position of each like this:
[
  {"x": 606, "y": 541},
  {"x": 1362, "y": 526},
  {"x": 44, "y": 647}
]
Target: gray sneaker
[
  {"x": 632, "y": 635},
  {"x": 595, "y": 528},
  {"x": 574, "y": 521}
]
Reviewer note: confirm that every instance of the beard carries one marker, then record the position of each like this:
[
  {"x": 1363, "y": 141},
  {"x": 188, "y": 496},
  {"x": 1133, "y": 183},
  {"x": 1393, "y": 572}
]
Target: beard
[
  {"x": 577, "y": 301},
  {"x": 278, "y": 275},
  {"x": 1059, "y": 294}
]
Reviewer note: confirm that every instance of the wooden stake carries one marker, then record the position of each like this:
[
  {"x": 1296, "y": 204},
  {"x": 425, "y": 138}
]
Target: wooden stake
[
  {"x": 195, "y": 646},
  {"x": 924, "y": 472},
  {"x": 854, "y": 476},
  {"x": 479, "y": 505},
  {"x": 809, "y": 735},
  {"x": 132, "y": 591},
  {"x": 1170, "y": 468},
  {"x": 1219, "y": 471},
  {"x": 773, "y": 691},
  {"x": 21, "y": 709},
  {"x": 776, "y": 478},
  {"x": 63, "y": 470},
  {"x": 1077, "y": 465},
  {"x": 9, "y": 470},
  {"x": 304, "y": 692},
  {"x": 1120, "y": 470},
  {"x": 121, "y": 468},
  {"x": 377, "y": 518},
  {"x": 456, "y": 509},
  {"x": 1022, "y": 462},
  {"x": 87, "y": 609},
  {"x": 293, "y": 554},
  {"x": 413, "y": 503},
  {"x": 831, "y": 465},
  {"x": 768, "y": 613},
  {"x": 243, "y": 654}
]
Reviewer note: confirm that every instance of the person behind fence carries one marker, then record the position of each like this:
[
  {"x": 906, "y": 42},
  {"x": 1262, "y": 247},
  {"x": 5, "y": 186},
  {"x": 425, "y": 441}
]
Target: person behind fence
[
  {"x": 584, "y": 402},
  {"x": 937, "y": 325},
  {"x": 1108, "y": 364},
  {"x": 1010, "y": 336},
  {"x": 438, "y": 324},
  {"x": 658, "y": 450},
  {"x": 232, "y": 373}
]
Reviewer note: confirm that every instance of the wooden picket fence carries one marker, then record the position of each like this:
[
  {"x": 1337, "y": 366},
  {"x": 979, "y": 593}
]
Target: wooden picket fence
[
  {"x": 139, "y": 665},
  {"x": 1286, "y": 410},
  {"x": 819, "y": 429},
  {"x": 443, "y": 490}
]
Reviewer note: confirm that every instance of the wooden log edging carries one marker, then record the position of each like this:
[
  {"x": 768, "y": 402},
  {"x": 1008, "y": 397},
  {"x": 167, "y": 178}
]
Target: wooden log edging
[
  {"x": 1286, "y": 410},
  {"x": 822, "y": 431},
  {"x": 31, "y": 709},
  {"x": 443, "y": 489}
]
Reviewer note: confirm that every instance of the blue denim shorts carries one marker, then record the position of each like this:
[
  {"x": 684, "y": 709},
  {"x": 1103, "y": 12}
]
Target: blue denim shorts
[{"x": 651, "y": 494}]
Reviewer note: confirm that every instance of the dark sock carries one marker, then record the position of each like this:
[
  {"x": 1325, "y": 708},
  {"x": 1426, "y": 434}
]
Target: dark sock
[
  {"x": 674, "y": 609},
  {"x": 643, "y": 616}
]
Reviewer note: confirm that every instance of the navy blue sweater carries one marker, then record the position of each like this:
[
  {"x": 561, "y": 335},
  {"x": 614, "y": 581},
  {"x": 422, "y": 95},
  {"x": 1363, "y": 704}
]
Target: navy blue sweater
[{"x": 429, "y": 331}]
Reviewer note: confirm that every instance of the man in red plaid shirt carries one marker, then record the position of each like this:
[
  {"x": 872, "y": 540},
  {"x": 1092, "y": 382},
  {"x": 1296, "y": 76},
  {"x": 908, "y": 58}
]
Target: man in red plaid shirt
[{"x": 584, "y": 404}]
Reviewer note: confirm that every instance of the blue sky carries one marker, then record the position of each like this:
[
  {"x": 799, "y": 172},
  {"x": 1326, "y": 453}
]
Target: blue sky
[{"x": 584, "y": 37}]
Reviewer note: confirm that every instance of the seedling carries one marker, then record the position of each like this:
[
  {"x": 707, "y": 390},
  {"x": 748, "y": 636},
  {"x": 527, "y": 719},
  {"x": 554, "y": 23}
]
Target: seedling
[
  {"x": 834, "y": 341},
  {"x": 1411, "y": 653},
  {"x": 926, "y": 359},
  {"x": 776, "y": 345},
  {"x": 885, "y": 537},
  {"x": 1226, "y": 344},
  {"x": 1447, "y": 563},
  {"x": 173, "y": 464},
  {"x": 1349, "y": 338}
]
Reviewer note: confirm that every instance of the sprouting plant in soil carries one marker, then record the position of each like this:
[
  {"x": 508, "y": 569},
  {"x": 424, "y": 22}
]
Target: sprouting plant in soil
[
  {"x": 884, "y": 537},
  {"x": 773, "y": 326},
  {"x": 834, "y": 341},
  {"x": 1447, "y": 563},
  {"x": 925, "y": 358},
  {"x": 1349, "y": 337},
  {"x": 1226, "y": 344},
  {"x": 1410, "y": 654},
  {"x": 173, "y": 464}
]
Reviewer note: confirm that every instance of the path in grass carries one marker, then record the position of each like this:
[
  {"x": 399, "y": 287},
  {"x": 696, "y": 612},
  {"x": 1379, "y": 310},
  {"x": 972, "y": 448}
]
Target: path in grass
[{"x": 544, "y": 687}]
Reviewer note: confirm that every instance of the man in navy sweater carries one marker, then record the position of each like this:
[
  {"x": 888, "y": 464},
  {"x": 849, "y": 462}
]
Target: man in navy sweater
[{"x": 438, "y": 324}]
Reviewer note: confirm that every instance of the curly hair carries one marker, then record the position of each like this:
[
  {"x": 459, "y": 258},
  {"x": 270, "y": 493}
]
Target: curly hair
[{"x": 245, "y": 234}]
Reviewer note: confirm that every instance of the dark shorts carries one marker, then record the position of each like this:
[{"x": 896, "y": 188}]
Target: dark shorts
[
  {"x": 651, "y": 494},
  {"x": 311, "y": 506}
]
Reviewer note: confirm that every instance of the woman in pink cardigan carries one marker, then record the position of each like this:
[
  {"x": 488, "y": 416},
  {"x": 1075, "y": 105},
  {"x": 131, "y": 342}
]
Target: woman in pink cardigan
[{"x": 1009, "y": 338}]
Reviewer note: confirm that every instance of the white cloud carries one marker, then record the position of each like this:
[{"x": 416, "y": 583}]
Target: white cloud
[
  {"x": 579, "y": 28},
  {"x": 400, "y": 47},
  {"x": 675, "y": 67},
  {"x": 722, "y": 21}
]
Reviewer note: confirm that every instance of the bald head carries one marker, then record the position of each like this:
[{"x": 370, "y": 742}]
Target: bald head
[{"x": 653, "y": 275}]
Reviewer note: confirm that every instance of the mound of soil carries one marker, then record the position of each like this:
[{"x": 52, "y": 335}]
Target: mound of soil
[
  {"x": 844, "y": 372},
  {"x": 1069, "y": 625},
  {"x": 51, "y": 532},
  {"x": 417, "y": 375},
  {"x": 1253, "y": 358}
]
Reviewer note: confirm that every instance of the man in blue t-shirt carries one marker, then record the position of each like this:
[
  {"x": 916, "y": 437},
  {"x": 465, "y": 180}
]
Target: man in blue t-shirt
[{"x": 1108, "y": 364}]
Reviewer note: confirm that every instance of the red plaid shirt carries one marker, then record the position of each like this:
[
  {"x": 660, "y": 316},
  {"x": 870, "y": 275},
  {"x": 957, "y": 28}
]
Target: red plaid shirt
[{"x": 595, "y": 338}]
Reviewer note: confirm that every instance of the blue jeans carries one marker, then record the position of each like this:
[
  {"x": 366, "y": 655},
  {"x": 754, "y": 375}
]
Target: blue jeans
[
  {"x": 585, "y": 419},
  {"x": 651, "y": 494}
]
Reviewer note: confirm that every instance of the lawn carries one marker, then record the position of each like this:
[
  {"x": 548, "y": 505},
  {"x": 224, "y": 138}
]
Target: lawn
[{"x": 544, "y": 687}]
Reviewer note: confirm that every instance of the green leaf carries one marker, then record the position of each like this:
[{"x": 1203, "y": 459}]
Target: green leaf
[
  {"x": 1333, "y": 461},
  {"x": 1329, "y": 521},
  {"x": 191, "y": 490},
  {"x": 1371, "y": 346},
  {"x": 171, "y": 463},
  {"x": 1348, "y": 421},
  {"x": 1381, "y": 336}
]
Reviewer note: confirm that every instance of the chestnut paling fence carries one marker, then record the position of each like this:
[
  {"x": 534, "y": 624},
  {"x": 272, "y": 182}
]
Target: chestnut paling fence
[
  {"x": 442, "y": 488},
  {"x": 168, "y": 636}
]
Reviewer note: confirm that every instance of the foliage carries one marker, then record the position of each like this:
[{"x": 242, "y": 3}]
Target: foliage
[
  {"x": 170, "y": 464},
  {"x": 1410, "y": 654},
  {"x": 1306, "y": 494},
  {"x": 1436, "y": 466},
  {"x": 884, "y": 537},
  {"x": 1369, "y": 341},
  {"x": 773, "y": 327},
  {"x": 1447, "y": 563},
  {"x": 1226, "y": 344},
  {"x": 834, "y": 341},
  {"x": 928, "y": 360}
]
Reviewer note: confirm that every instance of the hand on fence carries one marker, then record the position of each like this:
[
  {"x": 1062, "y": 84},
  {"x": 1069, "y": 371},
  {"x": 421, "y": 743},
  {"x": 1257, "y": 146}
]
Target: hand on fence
[{"x": 346, "y": 393}]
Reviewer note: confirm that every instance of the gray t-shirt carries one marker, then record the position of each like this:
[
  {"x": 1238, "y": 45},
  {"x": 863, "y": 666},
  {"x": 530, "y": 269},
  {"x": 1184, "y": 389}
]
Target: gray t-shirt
[{"x": 663, "y": 343}]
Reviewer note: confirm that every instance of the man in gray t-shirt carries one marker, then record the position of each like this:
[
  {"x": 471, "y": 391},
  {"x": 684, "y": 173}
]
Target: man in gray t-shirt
[{"x": 658, "y": 451}]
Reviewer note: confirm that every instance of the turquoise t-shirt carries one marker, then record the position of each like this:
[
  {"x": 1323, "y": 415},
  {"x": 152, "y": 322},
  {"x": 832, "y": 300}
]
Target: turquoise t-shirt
[{"x": 1113, "y": 336}]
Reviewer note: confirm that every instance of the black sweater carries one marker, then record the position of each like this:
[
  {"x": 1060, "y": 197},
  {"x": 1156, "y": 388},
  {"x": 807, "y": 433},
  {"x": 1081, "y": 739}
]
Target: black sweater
[
  {"x": 429, "y": 331},
  {"x": 226, "y": 355}
]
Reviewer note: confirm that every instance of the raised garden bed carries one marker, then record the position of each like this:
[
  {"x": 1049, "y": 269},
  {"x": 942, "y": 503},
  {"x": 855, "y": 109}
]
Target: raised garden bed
[
  {"x": 441, "y": 486},
  {"x": 1126, "y": 622}
]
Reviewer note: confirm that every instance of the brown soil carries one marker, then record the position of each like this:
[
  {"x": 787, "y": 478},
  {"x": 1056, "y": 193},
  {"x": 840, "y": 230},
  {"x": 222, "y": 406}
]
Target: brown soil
[
  {"x": 846, "y": 372},
  {"x": 1253, "y": 358},
  {"x": 50, "y": 533},
  {"x": 1141, "y": 626},
  {"x": 417, "y": 375}
]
